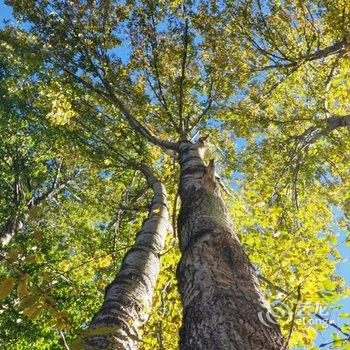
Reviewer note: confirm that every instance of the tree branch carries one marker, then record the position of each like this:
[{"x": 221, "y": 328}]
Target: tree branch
[
  {"x": 314, "y": 133},
  {"x": 56, "y": 187},
  {"x": 183, "y": 76},
  {"x": 337, "y": 48},
  {"x": 293, "y": 317}
]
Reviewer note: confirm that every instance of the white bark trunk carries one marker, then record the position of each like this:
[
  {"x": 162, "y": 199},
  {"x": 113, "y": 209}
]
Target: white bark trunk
[{"x": 128, "y": 298}]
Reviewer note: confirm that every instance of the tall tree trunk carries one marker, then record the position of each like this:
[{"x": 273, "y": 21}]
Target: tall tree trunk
[
  {"x": 129, "y": 297},
  {"x": 219, "y": 290}
]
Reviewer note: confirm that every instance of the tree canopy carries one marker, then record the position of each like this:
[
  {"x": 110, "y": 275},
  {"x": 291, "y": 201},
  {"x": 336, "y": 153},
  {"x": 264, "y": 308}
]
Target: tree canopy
[{"x": 93, "y": 92}]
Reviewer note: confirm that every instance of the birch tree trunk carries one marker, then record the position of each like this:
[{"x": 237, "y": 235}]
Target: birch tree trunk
[
  {"x": 129, "y": 297},
  {"x": 219, "y": 290}
]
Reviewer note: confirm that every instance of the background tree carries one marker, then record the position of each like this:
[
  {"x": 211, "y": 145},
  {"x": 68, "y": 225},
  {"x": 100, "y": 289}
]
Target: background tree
[{"x": 70, "y": 243}]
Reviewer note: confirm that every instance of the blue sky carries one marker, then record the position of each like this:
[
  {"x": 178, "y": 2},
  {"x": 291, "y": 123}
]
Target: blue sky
[
  {"x": 5, "y": 11},
  {"x": 342, "y": 268}
]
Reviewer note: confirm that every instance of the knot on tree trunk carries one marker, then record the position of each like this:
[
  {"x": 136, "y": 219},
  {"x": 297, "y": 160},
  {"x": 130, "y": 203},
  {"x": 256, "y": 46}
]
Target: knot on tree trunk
[{"x": 209, "y": 178}]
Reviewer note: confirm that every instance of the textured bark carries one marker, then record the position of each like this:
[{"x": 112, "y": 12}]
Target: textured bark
[
  {"x": 129, "y": 297},
  {"x": 219, "y": 290}
]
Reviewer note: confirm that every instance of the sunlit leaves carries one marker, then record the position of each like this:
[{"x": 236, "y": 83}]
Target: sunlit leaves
[
  {"x": 262, "y": 78},
  {"x": 164, "y": 323}
]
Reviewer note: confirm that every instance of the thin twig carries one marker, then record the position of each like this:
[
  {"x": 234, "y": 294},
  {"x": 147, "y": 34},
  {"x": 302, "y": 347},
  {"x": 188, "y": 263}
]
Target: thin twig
[
  {"x": 183, "y": 75},
  {"x": 293, "y": 317},
  {"x": 64, "y": 341}
]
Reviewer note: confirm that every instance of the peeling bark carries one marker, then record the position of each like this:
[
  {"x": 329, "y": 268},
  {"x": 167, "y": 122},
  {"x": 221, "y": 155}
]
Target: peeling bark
[
  {"x": 129, "y": 297},
  {"x": 219, "y": 290}
]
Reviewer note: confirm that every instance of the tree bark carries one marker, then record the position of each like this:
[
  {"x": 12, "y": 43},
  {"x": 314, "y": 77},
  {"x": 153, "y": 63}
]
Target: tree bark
[
  {"x": 222, "y": 302},
  {"x": 129, "y": 297}
]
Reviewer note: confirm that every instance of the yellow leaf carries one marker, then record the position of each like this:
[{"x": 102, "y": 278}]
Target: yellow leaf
[
  {"x": 33, "y": 311},
  {"x": 34, "y": 213},
  {"x": 6, "y": 287},
  {"x": 28, "y": 301},
  {"x": 296, "y": 338},
  {"x": 311, "y": 333},
  {"x": 104, "y": 261},
  {"x": 61, "y": 314},
  {"x": 22, "y": 289},
  {"x": 64, "y": 266},
  {"x": 38, "y": 235},
  {"x": 12, "y": 255}
]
